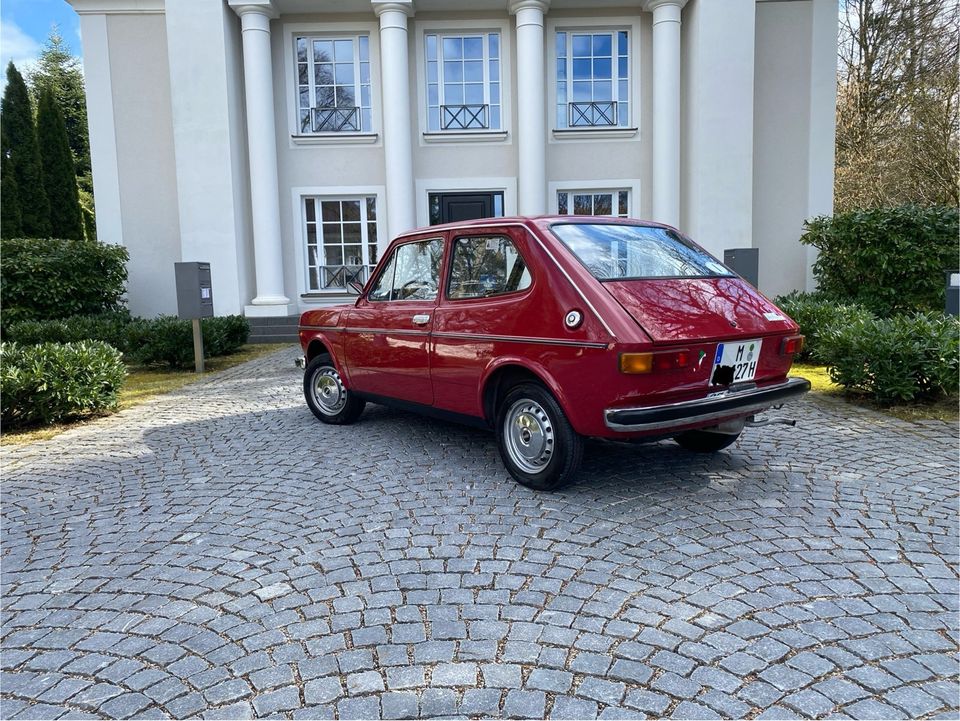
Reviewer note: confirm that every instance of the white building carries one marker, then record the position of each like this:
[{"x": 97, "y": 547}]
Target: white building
[{"x": 286, "y": 141}]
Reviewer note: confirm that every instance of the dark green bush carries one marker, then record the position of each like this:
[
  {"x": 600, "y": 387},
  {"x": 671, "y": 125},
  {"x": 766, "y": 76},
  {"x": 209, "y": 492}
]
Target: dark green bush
[
  {"x": 169, "y": 340},
  {"x": 43, "y": 384},
  {"x": 50, "y": 278},
  {"x": 890, "y": 260},
  {"x": 815, "y": 314},
  {"x": 107, "y": 327},
  {"x": 904, "y": 358}
]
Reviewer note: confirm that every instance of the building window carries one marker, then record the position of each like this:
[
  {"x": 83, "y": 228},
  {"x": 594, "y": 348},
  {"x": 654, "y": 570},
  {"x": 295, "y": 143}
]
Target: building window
[
  {"x": 341, "y": 238},
  {"x": 594, "y": 202},
  {"x": 333, "y": 84},
  {"x": 463, "y": 82},
  {"x": 593, "y": 88}
]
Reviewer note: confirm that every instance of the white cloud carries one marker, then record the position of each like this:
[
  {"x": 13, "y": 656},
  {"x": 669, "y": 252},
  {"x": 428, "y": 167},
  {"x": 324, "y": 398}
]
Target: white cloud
[{"x": 17, "y": 46}]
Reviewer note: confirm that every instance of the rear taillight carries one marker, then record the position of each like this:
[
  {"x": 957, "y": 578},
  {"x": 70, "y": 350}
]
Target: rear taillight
[
  {"x": 650, "y": 362},
  {"x": 791, "y": 345}
]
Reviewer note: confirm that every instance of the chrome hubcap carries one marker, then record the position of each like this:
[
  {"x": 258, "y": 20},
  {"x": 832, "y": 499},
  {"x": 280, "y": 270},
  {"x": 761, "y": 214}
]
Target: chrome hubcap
[
  {"x": 529, "y": 437},
  {"x": 328, "y": 392}
]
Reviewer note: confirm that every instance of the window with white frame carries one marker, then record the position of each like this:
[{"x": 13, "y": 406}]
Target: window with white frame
[
  {"x": 341, "y": 235},
  {"x": 463, "y": 82},
  {"x": 593, "y": 79},
  {"x": 594, "y": 202},
  {"x": 333, "y": 84}
]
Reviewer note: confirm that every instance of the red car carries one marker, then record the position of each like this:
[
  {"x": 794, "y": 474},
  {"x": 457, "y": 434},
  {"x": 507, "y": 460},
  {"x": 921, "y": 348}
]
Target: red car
[{"x": 552, "y": 329}]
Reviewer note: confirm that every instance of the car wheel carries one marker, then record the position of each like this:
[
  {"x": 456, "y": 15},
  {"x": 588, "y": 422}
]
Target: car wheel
[
  {"x": 705, "y": 441},
  {"x": 326, "y": 395},
  {"x": 538, "y": 445}
]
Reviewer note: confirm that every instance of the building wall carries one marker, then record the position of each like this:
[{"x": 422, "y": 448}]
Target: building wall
[
  {"x": 171, "y": 172},
  {"x": 146, "y": 167},
  {"x": 204, "y": 52},
  {"x": 781, "y": 142}
]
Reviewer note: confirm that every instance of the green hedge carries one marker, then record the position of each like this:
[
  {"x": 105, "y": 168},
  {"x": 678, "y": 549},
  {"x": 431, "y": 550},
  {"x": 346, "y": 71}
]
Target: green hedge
[
  {"x": 169, "y": 340},
  {"x": 815, "y": 314},
  {"x": 889, "y": 260},
  {"x": 43, "y": 384},
  {"x": 107, "y": 327},
  {"x": 143, "y": 340},
  {"x": 53, "y": 278},
  {"x": 903, "y": 358}
]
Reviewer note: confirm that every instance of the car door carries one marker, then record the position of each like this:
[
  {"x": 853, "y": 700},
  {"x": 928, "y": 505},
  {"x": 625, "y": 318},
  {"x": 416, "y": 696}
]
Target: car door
[{"x": 388, "y": 332}]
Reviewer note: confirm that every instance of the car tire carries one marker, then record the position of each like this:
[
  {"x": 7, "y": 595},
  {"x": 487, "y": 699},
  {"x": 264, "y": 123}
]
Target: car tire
[
  {"x": 705, "y": 441},
  {"x": 538, "y": 445},
  {"x": 326, "y": 395}
]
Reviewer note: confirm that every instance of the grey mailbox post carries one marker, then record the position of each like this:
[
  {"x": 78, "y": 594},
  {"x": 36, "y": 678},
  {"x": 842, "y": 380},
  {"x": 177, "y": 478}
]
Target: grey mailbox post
[
  {"x": 953, "y": 292},
  {"x": 745, "y": 262},
  {"x": 194, "y": 301}
]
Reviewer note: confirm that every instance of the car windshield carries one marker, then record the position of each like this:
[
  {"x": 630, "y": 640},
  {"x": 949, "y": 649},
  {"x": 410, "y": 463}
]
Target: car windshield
[{"x": 616, "y": 252}]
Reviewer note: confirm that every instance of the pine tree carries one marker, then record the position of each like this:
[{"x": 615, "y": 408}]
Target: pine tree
[
  {"x": 9, "y": 201},
  {"x": 60, "y": 72},
  {"x": 25, "y": 156},
  {"x": 59, "y": 175}
]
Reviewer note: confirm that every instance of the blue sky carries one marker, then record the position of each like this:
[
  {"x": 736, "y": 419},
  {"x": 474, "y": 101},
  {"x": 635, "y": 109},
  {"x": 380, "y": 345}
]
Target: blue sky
[{"x": 25, "y": 25}]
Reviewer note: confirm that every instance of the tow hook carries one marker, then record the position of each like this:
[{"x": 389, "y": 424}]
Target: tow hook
[
  {"x": 753, "y": 421},
  {"x": 300, "y": 362}
]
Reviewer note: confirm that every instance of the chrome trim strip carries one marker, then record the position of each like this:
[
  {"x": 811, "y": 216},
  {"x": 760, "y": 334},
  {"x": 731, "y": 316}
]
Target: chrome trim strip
[
  {"x": 520, "y": 339},
  {"x": 392, "y": 331},
  {"x": 319, "y": 327},
  {"x": 745, "y": 402}
]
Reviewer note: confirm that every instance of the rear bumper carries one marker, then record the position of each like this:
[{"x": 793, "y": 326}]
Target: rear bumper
[{"x": 703, "y": 410}]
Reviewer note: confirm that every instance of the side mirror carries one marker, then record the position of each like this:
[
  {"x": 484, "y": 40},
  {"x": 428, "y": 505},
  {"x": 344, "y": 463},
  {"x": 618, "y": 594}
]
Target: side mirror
[{"x": 355, "y": 286}]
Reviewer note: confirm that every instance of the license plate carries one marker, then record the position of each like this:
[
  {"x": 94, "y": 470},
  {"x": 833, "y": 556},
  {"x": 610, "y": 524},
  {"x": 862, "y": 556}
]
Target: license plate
[{"x": 736, "y": 362}]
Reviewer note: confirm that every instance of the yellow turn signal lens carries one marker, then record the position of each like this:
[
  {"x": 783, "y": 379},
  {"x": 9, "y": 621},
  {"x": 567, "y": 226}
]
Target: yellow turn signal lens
[{"x": 636, "y": 362}]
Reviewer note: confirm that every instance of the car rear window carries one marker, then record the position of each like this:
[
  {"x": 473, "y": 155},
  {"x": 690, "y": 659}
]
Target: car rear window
[{"x": 617, "y": 252}]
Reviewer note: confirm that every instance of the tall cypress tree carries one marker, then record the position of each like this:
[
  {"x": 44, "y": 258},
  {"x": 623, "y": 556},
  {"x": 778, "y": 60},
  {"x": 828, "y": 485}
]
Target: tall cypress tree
[
  {"x": 25, "y": 156},
  {"x": 10, "y": 226},
  {"x": 59, "y": 175}
]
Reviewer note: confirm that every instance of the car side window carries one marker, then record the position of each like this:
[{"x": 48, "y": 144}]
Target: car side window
[
  {"x": 486, "y": 265},
  {"x": 412, "y": 273}
]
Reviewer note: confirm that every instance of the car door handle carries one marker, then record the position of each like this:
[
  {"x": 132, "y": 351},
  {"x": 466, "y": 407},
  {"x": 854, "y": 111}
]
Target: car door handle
[{"x": 421, "y": 319}]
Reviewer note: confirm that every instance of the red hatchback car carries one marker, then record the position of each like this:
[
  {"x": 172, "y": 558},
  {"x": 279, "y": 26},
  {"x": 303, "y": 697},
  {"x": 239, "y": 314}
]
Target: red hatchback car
[{"x": 552, "y": 329}]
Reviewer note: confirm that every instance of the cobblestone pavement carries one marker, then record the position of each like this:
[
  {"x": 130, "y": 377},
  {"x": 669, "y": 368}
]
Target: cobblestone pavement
[{"x": 218, "y": 552}]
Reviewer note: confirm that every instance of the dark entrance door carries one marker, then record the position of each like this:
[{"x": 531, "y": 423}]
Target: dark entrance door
[{"x": 453, "y": 207}]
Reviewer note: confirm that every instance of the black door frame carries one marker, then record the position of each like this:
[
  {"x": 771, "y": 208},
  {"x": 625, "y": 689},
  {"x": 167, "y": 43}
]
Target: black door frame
[{"x": 487, "y": 199}]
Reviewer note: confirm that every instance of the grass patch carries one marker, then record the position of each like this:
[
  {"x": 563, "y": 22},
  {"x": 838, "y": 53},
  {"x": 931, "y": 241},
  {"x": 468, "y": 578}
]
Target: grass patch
[
  {"x": 818, "y": 376},
  {"x": 945, "y": 409},
  {"x": 143, "y": 383}
]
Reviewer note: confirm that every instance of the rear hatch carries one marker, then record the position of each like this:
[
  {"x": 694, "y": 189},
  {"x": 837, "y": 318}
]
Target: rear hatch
[{"x": 679, "y": 310}]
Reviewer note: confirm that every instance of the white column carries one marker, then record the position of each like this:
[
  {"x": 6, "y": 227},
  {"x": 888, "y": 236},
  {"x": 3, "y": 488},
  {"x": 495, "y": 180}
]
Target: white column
[
  {"x": 531, "y": 116},
  {"x": 666, "y": 109},
  {"x": 255, "y": 16},
  {"x": 398, "y": 108}
]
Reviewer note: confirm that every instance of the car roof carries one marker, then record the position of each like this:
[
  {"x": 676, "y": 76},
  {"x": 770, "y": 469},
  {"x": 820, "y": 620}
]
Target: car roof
[{"x": 540, "y": 221}]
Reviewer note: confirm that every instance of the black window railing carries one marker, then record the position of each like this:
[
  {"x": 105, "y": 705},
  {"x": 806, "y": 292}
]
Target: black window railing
[
  {"x": 338, "y": 276},
  {"x": 336, "y": 120},
  {"x": 464, "y": 117},
  {"x": 592, "y": 115}
]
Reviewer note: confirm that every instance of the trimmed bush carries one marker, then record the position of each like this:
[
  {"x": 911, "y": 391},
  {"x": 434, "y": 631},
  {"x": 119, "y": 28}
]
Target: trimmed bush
[
  {"x": 107, "y": 327},
  {"x": 903, "y": 358},
  {"x": 815, "y": 314},
  {"x": 890, "y": 260},
  {"x": 43, "y": 384},
  {"x": 169, "y": 340},
  {"x": 51, "y": 278}
]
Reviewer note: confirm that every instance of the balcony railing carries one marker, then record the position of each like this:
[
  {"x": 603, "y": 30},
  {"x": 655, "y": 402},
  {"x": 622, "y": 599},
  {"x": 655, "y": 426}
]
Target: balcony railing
[
  {"x": 592, "y": 115},
  {"x": 336, "y": 120},
  {"x": 334, "y": 277},
  {"x": 464, "y": 117}
]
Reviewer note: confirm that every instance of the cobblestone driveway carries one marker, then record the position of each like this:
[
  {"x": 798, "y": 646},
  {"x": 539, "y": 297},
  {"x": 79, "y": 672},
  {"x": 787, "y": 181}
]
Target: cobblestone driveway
[{"x": 217, "y": 552}]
